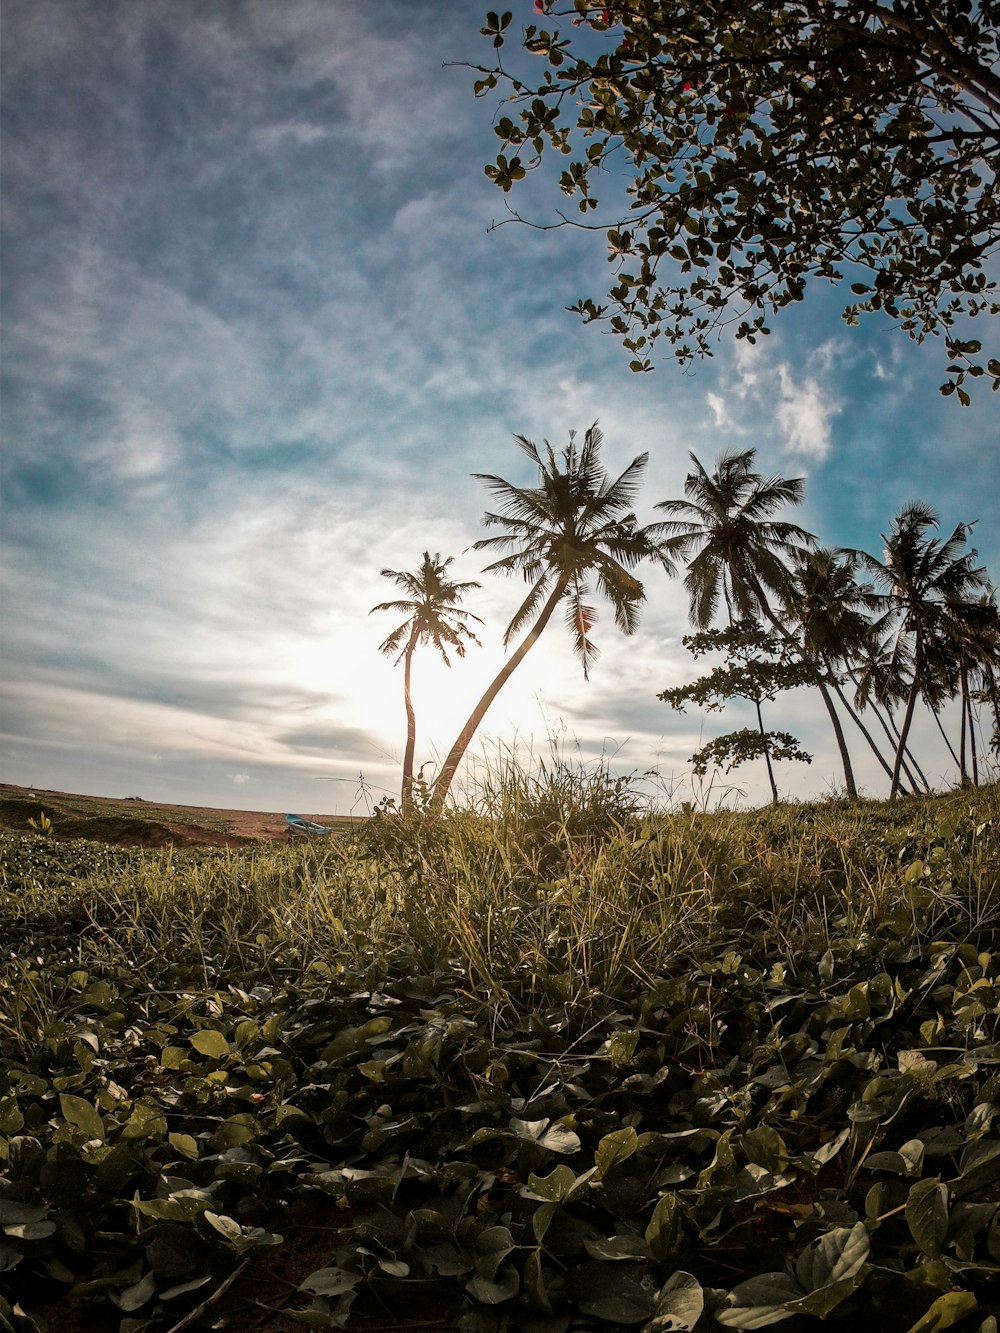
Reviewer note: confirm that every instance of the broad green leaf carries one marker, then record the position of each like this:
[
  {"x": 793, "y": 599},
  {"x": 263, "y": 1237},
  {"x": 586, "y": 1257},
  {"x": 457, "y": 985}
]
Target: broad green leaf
[
  {"x": 616, "y": 1248},
  {"x": 13, "y": 1213},
  {"x": 765, "y": 1147},
  {"x": 833, "y": 1257},
  {"x": 11, "y": 1119},
  {"x": 541, "y": 1220},
  {"x": 621, "y": 1048},
  {"x": 927, "y": 1215},
  {"x": 946, "y": 1311},
  {"x": 979, "y": 1167},
  {"x": 182, "y": 1288},
  {"x": 185, "y": 1144},
  {"x": 534, "y": 1282},
  {"x": 330, "y": 1282},
  {"x": 615, "y": 1147},
  {"x": 760, "y": 1301},
  {"x": 80, "y": 1113},
  {"x": 210, "y": 1042},
  {"x": 553, "y": 1135},
  {"x": 492, "y": 1247},
  {"x": 225, "y": 1226},
  {"x": 147, "y": 1121},
  {"x": 679, "y": 1305},
  {"x": 138, "y": 1294},
  {"x": 29, "y": 1230},
  {"x": 664, "y": 1227},
  {"x": 493, "y": 1292},
  {"x": 560, "y": 1184}
]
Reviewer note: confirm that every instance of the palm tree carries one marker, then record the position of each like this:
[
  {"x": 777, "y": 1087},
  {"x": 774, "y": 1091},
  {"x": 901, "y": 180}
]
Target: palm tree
[
  {"x": 574, "y": 526},
  {"x": 738, "y": 552},
  {"x": 735, "y": 550},
  {"x": 956, "y": 657},
  {"x": 827, "y": 607},
  {"x": 433, "y": 616},
  {"x": 928, "y": 588},
  {"x": 879, "y": 669}
]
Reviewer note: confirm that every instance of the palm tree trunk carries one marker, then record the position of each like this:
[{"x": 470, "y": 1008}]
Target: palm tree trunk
[
  {"x": 944, "y": 737},
  {"x": 411, "y": 727},
  {"x": 909, "y": 758},
  {"x": 856, "y": 716},
  {"x": 888, "y": 725},
  {"x": 918, "y": 671},
  {"x": 464, "y": 738},
  {"x": 838, "y": 730},
  {"x": 965, "y": 725}
]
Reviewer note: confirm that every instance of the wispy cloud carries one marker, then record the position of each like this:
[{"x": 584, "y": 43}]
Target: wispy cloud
[{"x": 257, "y": 335}]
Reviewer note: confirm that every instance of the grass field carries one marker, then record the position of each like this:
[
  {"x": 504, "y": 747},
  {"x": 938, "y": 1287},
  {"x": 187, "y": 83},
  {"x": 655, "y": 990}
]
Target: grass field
[{"x": 561, "y": 1063}]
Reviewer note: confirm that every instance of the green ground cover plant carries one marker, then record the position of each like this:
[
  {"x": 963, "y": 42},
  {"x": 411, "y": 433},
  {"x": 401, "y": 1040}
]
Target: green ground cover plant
[{"x": 557, "y": 1062}]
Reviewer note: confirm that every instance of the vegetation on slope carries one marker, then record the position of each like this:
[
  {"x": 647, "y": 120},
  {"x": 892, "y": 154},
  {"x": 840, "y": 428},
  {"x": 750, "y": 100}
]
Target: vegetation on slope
[{"x": 560, "y": 1064}]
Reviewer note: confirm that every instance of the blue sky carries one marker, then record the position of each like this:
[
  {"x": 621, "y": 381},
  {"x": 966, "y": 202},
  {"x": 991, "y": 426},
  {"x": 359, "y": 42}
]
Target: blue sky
[{"x": 257, "y": 336}]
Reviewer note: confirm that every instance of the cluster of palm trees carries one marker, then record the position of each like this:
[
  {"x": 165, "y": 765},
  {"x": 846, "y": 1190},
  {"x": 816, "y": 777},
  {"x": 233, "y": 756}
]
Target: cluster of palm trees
[{"x": 919, "y": 624}]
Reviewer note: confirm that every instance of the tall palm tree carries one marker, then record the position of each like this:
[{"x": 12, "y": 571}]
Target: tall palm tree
[
  {"x": 738, "y": 552},
  {"x": 880, "y": 672},
  {"x": 827, "y": 609},
  {"x": 957, "y": 659},
  {"x": 433, "y": 616},
  {"x": 930, "y": 587},
  {"x": 735, "y": 550},
  {"x": 575, "y": 526}
]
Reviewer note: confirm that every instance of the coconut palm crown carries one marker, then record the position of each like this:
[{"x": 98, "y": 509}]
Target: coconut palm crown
[{"x": 735, "y": 550}]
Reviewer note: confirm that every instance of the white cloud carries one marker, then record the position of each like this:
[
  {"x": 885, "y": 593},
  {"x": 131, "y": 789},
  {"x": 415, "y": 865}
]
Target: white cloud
[{"x": 803, "y": 413}]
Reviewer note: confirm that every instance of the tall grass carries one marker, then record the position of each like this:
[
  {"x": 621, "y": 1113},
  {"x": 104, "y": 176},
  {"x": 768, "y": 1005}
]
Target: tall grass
[{"x": 559, "y": 882}]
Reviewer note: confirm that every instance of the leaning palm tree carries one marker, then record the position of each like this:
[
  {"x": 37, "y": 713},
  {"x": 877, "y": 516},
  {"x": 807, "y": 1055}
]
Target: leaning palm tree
[
  {"x": 738, "y": 552},
  {"x": 433, "y": 616},
  {"x": 929, "y": 587},
  {"x": 575, "y": 526},
  {"x": 827, "y": 609}
]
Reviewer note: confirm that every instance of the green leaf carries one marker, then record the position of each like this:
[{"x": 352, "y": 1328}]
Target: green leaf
[
  {"x": 558, "y": 1138},
  {"x": 330, "y": 1282},
  {"x": 621, "y": 1045},
  {"x": 210, "y": 1042},
  {"x": 560, "y": 1184},
  {"x": 185, "y": 1144},
  {"x": 225, "y": 1226},
  {"x": 493, "y": 1292},
  {"x": 946, "y": 1311},
  {"x": 614, "y": 1249},
  {"x": 79, "y": 1112},
  {"x": 760, "y": 1301},
  {"x": 927, "y": 1215},
  {"x": 664, "y": 1227},
  {"x": 838, "y": 1255},
  {"x": 679, "y": 1305},
  {"x": 138, "y": 1294},
  {"x": 615, "y": 1147},
  {"x": 13, "y": 1213}
]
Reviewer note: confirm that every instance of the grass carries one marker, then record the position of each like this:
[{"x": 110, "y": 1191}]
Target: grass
[{"x": 555, "y": 1062}]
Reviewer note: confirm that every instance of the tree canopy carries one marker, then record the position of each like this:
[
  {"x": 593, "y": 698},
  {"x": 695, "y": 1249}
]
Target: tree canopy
[{"x": 761, "y": 146}]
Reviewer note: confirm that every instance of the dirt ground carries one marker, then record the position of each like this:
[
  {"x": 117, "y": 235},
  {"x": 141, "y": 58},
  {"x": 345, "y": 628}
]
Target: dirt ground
[{"x": 140, "y": 822}]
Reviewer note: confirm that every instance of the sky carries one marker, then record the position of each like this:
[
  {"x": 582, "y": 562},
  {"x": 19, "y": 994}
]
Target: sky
[{"x": 258, "y": 335}]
